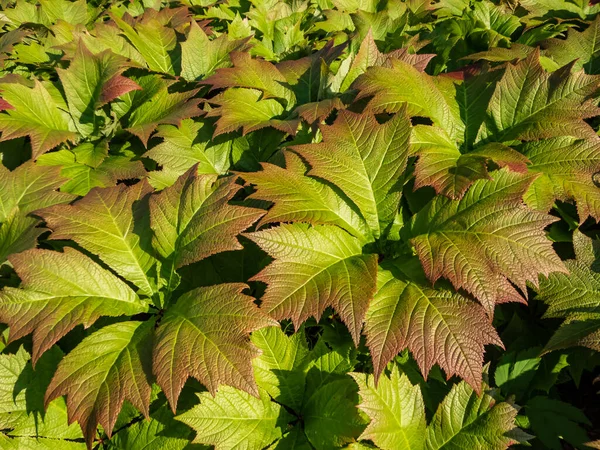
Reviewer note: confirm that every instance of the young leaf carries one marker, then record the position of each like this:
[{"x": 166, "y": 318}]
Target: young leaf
[
  {"x": 92, "y": 81},
  {"x": 58, "y": 292},
  {"x": 205, "y": 335},
  {"x": 436, "y": 325},
  {"x": 396, "y": 410},
  {"x": 316, "y": 267},
  {"x": 366, "y": 160},
  {"x": 193, "y": 218},
  {"x": 33, "y": 112},
  {"x": 105, "y": 369},
  {"x": 235, "y": 419},
  {"x": 508, "y": 237},
  {"x": 103, "y": 222},
  {"x": 467, "y": 420}
]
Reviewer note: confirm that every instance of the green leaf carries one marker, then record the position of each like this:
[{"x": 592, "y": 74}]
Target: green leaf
[
  {"x": 366, "y": 160},
  {"x": 467, "y": 420},
  {"x": 581, "y": 47},
  {"x": 58, "y": 292},
  {"x": 530, "y": 104},
  {"x": 235, "y": 419},
  {"x": 193, "y": 218},
  {"x": 92, "y": 81},
  {"x": 205, "y": 335},
  {"x": 316, "y": 267},
  {"x": 300, "y": 198},
  {"x": 396, "y": 410},
  {"x": 474, "y": 242},
  {"x": 568, "y": 169},
  {"x": 575, "y": 297},
  {"x": 200, "y": 56},
  {"x": 436, "y": 325},
  {"x": 516, "y": 370},
  {"x": 105, "y": 369},
  {"x": 33, "y": 112},
  {"x": 103, "y": 223},
  {"x": 282, "y": 365}
]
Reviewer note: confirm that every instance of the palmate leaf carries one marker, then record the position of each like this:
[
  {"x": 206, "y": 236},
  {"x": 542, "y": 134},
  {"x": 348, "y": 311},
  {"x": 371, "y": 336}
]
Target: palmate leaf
[
  {"x": 102, "y": 222},
  {"x": 575, "y": 297},
  {"x": 466, "y": 419},
  {"x": 236, "y": 419},
  {"x": 568, "y": 167},
  {"x": 33, "y": 112},
  {"x": 103, "y": 371},
  {"x": 366, "y": 160},
  {"x": 23, "y": 190},
  {"x": 486, "y": 241},
  {"x": 396, "y": 410},
  {"x": 316, "y": 267},
  {"x": 205, "y": 335},
  {"x": 58, "y": 292},
  {"x": 300, "y": 198},
  {"x": 528, "y": 103},
  {"x": 436, "y": 325},
  {"x": 193, "y": 220},
  {"x": 92, "y": 81},
  {"x": 581, "y": 47}
]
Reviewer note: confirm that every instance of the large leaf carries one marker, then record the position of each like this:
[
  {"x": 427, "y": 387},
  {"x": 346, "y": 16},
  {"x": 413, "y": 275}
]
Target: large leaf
[
  {"x": 485, "y": 241},
  {"x": 300, "y": 198},
  {"x": 205, "y": 335},
  {"x": 235, "y": 419},
  {"x": 58, "y": 292},
  {"x": 316, "y": 267},
  {"x": 366, "y": 160},
  {"x": 33, "y": 112},
  {"x": 103, "y": 222},
  {"x": 436, "y": 325},
  {"x": 396, "y": 410},
  {"x": 193, "y": 218},
  {"x": 581, "y": 47},
  {"x": 105, "y": 369},
  {"x": 90, "y": 82}
]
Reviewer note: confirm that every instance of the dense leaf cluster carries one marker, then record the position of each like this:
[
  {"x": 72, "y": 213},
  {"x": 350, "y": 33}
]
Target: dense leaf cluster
[{"x": 285, "y": 224}]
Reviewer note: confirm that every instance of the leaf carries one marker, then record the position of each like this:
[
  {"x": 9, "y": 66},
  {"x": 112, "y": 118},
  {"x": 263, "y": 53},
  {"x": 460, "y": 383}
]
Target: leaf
[
  {"x": 255, "y": 74},
  {"x": 553, "y": 421},
  {"x": 282, "y": 365},
  {"x": 105, "y": 369},
  {"x": 581, "y": 47},
  {"x": 436, "y": 325},
  {"x": 568, "y": 167},
  {"x": 530, "y": 104},
  {"x": 103, "y": 223},
  {"x": 516, "y": 370},
  {"x": 59, "y": 291},
  {"x": 300, "y": 198},
  {"x": 161, "y": 432},
  {"x": 201, "y": 56},
  {"x": 330, "y": 415},
  {"x": 184, "y": 146},
  {"x": 575, "y": 297},
  {"x": 205, "y": 335},
  {"x": 485, "y": 241},
  {"x": 364, "y": 159},
  {"x": 316, "y": 267},
  {"x": 401, "y": 85},
  {"x": 396, "y": 410},
  {"x": 155, "y": 105},
  {"x": 92, "y": 81},
  {"x": 34, "y": 113},
  {"x": 467, "y": 420},
  {"x": 155, "y": 42},
  {"x": 193, "y": 218},
  {"x": 235, "y": 419},
  {"x": 256, "y": 113}
]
